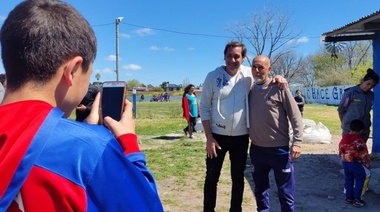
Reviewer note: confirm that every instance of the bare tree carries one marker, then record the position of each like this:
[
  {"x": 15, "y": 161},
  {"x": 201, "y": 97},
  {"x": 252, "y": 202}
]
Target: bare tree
[
  {"x": 269, "y": 32},
  {"x": 357, "y": 52},
  {"x": 185, "y": 82},
  {"x": 290, "y": 66}
]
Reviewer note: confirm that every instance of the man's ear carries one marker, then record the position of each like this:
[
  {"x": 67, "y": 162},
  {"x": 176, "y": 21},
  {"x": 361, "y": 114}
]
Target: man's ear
[{"x": 71, "y": 68}]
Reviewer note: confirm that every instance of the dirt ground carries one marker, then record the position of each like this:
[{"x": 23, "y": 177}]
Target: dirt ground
[{"x": 319, "y": 185}]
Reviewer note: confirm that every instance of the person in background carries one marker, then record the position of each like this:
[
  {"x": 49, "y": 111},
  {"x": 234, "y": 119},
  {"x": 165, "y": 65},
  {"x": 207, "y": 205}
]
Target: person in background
[
  {"x": 271, "y": 113},
  {"x": 142, "y": 97},
  {"x": 2, "y": 87},
  {"x": 300, "y": 101},
  {"x": 357, "y": 103},
  {"x": 85, "y": 106},
  {"x": 190, "y": 108},
  {"x": 356, "y": 163},
  {"x": 224, "y": 111},
  {"x": 47, "y": 161}
]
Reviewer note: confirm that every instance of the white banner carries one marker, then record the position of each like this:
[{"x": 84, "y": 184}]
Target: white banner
[{"x": 330, "y": 95}]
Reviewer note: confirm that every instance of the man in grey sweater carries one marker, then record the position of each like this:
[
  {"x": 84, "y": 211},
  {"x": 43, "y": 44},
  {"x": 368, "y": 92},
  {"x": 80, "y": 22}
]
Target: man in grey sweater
[{"x": 270, "y": 111}]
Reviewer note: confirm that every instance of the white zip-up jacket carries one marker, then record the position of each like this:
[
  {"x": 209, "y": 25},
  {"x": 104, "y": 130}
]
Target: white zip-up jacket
[{"x": 224, "y": 101}]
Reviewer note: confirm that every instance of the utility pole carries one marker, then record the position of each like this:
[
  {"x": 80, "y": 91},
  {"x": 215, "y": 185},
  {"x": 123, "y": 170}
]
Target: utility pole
[{"x": 118, "y": 20}]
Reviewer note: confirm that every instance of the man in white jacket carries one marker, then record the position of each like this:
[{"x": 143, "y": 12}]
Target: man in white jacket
[{"x": 224, "y": 114}]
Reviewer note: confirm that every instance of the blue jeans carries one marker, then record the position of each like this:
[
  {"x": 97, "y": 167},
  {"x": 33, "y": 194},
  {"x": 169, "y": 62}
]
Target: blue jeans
[
  {"x": 283, "y": 169},
  {"x": 237, "y": 146},
  {"x": 354, "y": 174}
]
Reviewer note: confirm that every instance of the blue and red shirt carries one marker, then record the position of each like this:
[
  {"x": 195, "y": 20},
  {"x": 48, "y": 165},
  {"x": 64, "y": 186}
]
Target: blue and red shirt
[{"x": 82, "y": 167}]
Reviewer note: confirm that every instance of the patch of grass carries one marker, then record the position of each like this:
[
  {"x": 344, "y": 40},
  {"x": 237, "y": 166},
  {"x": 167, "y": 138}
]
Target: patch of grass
[{"x": 177, "y": 160}]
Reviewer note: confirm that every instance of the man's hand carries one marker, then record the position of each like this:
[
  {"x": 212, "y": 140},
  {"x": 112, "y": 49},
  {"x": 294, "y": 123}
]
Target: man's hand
[
  {"x": 211, "y": 145},
  {"x": 81, "y": 107},
  {"x": 282, "y": 82},
  {"x": 295, "y": 152}
]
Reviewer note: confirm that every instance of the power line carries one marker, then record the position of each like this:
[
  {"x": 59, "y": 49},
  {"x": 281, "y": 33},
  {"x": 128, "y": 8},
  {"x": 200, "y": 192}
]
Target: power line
[
  {"x": 177, "y": 32},
  {"x": 183, "y": 33}
]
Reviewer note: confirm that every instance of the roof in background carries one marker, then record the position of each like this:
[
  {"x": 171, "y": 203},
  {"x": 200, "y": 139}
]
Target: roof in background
[{"x": 362, "y": 29}]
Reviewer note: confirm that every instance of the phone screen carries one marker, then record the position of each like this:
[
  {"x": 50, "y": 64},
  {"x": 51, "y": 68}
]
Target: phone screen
[{"x": 113, "y": 96}]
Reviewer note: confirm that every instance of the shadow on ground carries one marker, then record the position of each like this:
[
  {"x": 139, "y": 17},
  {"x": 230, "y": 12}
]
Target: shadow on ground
[{"x": 168, "y": 137}]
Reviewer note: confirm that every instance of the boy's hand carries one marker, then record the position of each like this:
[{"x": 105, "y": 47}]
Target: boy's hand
[
  {"x": 93, "y": 117},
  {"x": 126, "y": 123}
]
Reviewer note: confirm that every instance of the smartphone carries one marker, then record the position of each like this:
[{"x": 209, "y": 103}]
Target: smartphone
[{"x": 112, "y": 99}]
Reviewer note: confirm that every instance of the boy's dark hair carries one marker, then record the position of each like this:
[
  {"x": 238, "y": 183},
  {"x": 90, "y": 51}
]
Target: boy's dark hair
[
  {"x": 236, "y": 44},
  {"x": 38, "y": 36},
  {"x": 356, "y": 125}
]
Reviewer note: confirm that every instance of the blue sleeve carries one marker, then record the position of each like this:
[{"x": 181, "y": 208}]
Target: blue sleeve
[{"x": 122, "y": 183}]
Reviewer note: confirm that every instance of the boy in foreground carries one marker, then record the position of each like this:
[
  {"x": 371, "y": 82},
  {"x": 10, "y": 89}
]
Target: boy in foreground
[
  {"x": 356, "y": 163},
  {"x": 47, "y": 162}
]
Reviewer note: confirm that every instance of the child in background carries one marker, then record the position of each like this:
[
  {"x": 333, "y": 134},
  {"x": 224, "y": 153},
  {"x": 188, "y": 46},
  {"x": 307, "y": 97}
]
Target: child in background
[{"x": 356, "y": 163}]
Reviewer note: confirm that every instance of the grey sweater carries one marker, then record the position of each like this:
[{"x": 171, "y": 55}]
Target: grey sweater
[{"x": 270, "y": 111}]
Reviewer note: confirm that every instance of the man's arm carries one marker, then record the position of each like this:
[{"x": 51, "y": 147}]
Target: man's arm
[{"x": 296, "y": 121}]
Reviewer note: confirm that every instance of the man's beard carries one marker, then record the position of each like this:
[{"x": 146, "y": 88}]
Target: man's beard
[{"x": 259, "y": 79}]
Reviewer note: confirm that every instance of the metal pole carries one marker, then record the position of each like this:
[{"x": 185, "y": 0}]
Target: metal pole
[
  {"x": 118, "y": 20},
  {"x": 134, "y": 102}
]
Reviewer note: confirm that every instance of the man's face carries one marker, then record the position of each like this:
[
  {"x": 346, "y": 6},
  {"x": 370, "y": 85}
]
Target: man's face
[
  {"x": 233, "y": 59},
  {"x": 260, "y": 69}
]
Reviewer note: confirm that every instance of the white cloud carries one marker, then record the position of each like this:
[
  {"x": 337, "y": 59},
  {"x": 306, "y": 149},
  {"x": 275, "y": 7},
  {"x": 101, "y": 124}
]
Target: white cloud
[
  {"x": 124, "y": 35},
  {"x": 154, "y": 48},
  {"x": 111, "y": 57},
  {"x": 133, "y": 67},
  {"x": 303, "y": 39},
  {"x": 103, "y": 71},
  {"x": 290, "y": 42},
  {"x": 168, "y": 49},
  {"x": 144, "y": 32},
  {"x": 190, "y": 48}
]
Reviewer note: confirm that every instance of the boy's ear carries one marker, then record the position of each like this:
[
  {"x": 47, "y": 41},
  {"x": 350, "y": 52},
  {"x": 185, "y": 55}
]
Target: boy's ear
[{"x": 71, "y": 68}]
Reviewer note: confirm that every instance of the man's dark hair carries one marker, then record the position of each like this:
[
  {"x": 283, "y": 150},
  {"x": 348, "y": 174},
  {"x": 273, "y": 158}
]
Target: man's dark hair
[
  {"x": 356, "y": 125},
  {"x": 236, "y": 44},
  {"x": 2, "y": 78},
  {"x": 38, "y": 36}
]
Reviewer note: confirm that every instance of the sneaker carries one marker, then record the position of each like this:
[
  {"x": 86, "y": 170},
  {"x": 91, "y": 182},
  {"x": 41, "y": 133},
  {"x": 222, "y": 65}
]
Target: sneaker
[
  {"x": 191, "y": 137},
  {"x": 358, "y": 203},
  {"x": 185, "y": 132},
  {"x": 349, "y": 201}
]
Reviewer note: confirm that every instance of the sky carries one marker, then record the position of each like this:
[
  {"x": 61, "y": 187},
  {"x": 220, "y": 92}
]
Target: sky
[{"x": 180, "y": 41}]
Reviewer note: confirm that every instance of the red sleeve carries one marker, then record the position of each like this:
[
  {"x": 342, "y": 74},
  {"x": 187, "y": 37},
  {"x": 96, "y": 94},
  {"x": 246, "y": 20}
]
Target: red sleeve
[
  {"x": 185, "y": 108},
  {"x": 129, "y": 143}
]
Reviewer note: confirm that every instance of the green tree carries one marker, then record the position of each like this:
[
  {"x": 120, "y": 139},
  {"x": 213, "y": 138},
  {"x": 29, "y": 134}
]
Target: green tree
[
  {"x": 164, "y": 85},
  {"x": 133, "y": 84},
  {"x": 97, "y": 76}
]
